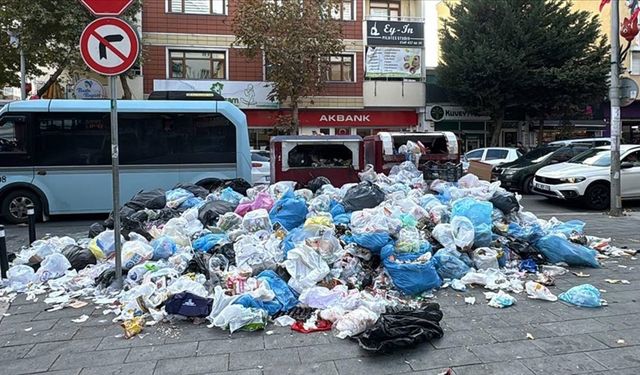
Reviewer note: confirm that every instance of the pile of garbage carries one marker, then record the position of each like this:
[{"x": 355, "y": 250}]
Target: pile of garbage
[{"x": 360, "y": 259}]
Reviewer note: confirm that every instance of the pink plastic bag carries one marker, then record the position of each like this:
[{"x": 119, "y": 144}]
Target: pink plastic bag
[{"x": 263, "y": 200}]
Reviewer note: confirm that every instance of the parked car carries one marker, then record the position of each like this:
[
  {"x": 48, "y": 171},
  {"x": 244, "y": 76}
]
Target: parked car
[
  {"x": 260, "y": 168},
  {"x": 587, "y": 177},
  {"x": 593, "y": 142},
  {"x": 491, "y": 155},
  {"x": 519, "y": 174}
]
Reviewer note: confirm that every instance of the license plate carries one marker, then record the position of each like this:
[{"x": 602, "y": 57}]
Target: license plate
[{"x": 543, "y": 187}]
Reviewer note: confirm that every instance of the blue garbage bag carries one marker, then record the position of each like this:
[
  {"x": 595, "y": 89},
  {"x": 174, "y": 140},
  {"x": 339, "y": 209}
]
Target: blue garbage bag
[
  {"x": 568, "y": 228},
  {"x": 336, "y": 209},
  {"x": 343, "y": 218},
  {"x": 528, "y": 265},
  {"x": 410, "y": 278},
  {"x": 530, "y": 233},
  {"x": 208, "y": 241},
  {"x": 163, "y": 248},
  {"x": 449, "y": 265},
  {"x": 290, "y": 211},
  {"x": 229, "y": 195},
  {"x": 505, "y": 257},
  {"x": 371, "y": 241},
  {"x": 585, "y": 295},
  {"x": 177, "y": 196},
  {"x": 479, "y": 212},
  {"x": 192, "y": 202},
  {"x": 294, "y": 237},
  {"x": 249, "y": 302},
  {"x": 285, "y": 298},
  {"x": 557, "y": 249}
]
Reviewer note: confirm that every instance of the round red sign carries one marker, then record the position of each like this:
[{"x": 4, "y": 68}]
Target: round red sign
[{"x": 109, "y": 46}]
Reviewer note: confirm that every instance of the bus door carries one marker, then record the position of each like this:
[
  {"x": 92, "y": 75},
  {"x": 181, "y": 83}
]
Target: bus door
[{"x": 15, "y": 151}]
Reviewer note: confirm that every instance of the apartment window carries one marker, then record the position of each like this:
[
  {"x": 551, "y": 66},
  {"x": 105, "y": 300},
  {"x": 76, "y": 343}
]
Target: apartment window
[
  {"x": 340, "y": 68},
  {"x": 343, "y": 10},
  {"x": 384, "y": 9},
  {"x": 198, "y": 6},
  {"x": 635, "y": 62},
  {"x": 197, "y": 64}
]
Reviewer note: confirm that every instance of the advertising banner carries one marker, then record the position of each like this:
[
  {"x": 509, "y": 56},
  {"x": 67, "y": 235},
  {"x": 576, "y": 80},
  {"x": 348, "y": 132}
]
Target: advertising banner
[
  {"x": 395, "y": 33},
  {"x": 243, "y": 94},
  {"x": 393, "y": 62}
]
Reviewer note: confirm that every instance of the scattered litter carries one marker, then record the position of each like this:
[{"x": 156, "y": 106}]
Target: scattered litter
[
  {"x": 284, "y": 321},
  {"x": 620, "y": 341},
  {"x": 269, "y": 333},
  {"x": 585, "y": 295},
  {"x": 530, "y": 336},
  {"x": 580, "y": 274},
  {"x": 28, "y": 329},
  {"x": 616, "y": 281},
  {"x": 83, "y": 318},
  {"x": 78, "y": 304},
  {"x": 500, "y": 300},
  {"x": 539, "y": 291},
  {"x": 470, "y": 300}
]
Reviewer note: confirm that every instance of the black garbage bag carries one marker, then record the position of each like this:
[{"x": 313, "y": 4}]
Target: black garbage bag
[
  {"x": 364, "y": 195},
  {"x": 95, "y": 229},
  {"x": 239, "y": 185},
  {"x": 196, "y": 190},
  {"x": 153, "y": 200},
  {"x": 189, "y": 305},
  {"x": 315, "y": 184},
  {"x": 403, "y": 327},
  {"x": 108, "y": 276},
  {"x": 227, "y": 251},
  {"x": 505, "y": 202},
  {"x": 208, "y": 214},
  {"x": 199, "y": 264},
  {"x": 78, "y": 256},
  {"x": 125, "y": 212}
]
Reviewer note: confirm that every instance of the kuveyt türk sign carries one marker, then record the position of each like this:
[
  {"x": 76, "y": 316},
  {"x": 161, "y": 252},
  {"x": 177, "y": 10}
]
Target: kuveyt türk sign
[{"x": 395, "y": 33}]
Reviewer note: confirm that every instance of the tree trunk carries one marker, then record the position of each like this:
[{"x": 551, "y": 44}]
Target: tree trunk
[
  {"x": 540, "y": 132},
  {"x": 497, "y": 129},
  {"x": 126, "y": 90},
  {"x": 52, "y": 79},
  {"x": 295, "y": 120}
]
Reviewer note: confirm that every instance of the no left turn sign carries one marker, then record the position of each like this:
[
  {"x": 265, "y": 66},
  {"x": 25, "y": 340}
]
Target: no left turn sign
[{"x": 109, "y": 46}]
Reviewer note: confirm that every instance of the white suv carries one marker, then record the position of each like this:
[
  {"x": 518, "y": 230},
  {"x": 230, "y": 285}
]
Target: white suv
[{"x": 587, "y": 177}]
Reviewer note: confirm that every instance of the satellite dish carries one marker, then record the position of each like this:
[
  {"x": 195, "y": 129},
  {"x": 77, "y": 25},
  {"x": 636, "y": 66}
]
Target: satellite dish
[{"x": 628, "y": 91}]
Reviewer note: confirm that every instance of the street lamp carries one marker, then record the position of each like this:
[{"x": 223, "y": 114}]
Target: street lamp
[{"x": 14, "y": 40}]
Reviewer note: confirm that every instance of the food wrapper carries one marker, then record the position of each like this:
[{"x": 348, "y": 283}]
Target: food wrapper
[{"x": 132, "y": 327}]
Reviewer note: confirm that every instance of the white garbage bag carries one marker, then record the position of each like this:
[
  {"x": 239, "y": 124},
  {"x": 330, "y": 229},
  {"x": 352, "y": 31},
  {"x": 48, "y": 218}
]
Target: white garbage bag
[
  {"x": 485, "y": 258},
  {"x": 52, "y": 267},
  {"x": 462, "y": 231},
  {"x": 135, "y": 252},
  {"x": 306, "y": 268},
  {"x": 20, "y": 276}
]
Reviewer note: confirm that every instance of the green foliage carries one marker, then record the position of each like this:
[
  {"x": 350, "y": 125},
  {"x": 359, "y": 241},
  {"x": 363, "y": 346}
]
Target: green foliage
[
  {"x": 538, "y": 55},
  {"x": 295, "y": 36}
]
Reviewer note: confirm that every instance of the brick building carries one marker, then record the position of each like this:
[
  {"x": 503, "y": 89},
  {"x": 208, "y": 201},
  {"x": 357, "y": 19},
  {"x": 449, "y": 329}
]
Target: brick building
[{"x": 376, "y": 83}]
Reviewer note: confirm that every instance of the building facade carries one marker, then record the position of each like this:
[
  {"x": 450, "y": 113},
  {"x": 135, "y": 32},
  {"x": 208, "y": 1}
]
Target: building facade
[{"x": 377, "y": 83}]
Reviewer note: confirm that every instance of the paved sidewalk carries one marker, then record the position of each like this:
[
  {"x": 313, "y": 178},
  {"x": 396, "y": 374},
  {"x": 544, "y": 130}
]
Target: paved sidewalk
[{"x": 478, "y": 339}]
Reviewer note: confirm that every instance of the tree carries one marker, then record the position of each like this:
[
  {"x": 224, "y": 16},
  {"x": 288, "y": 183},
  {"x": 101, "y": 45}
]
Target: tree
[
  {"x": 536, "y": 55},
  {"x": 296, "y": 37},
  {"x": 49, "y": 35}
]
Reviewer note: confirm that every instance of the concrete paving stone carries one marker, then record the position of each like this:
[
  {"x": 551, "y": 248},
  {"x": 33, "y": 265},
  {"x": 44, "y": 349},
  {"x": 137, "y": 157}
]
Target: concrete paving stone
[
  {"x": 18, "y": 318},
  {"x": 67, "y": 313},
  {"x": 87, "y": 332},
  {"x": 574, "y": 363},
  {"x": 470, "y": 323},
  {"x": 574, "y": 327},
  {"x": 625, "y": 371},
  {"x": 617, "y": 358},
  {"x": 541, "y": 315},
  {"x": 202, "y": 333},
  {"x": 14, "y": 352},
  {"x": 74, "y": 371},
  {"x": 295, "y": 340},
  {"x": 157, "y": 352},
  {"x": 379, "y": 365},
  {"x": 425, "y": 357},
  {"x": 73, "y": 346},
  {"x": 19, "y": 328},
  {"x": 239, "y": 372},
  {"x": 193, "y": 365},
  {"x": 333, "y": 351},
  {"x": 463, "y": 338},
  {"x": 28, "y": 365},
  {"x": 27, "y": 308},
  {"x": 506, "y": 351},
  {"x": 234, "y": 344},
  {"x": 138, "y": 368},
  {"x": 32, "y": 338},
  {"x": 622, "y": 297},
  {"x": 631, "y": 337},
  {"x": 519, "y": 333},
  {"x": 568, "y": 344},
  {"x": 322, "y": 368},
  {"x": 93, "y": 321},
  {"x": 498, "y": 368},
  {"x": 90, "y": 359},
  {"x": 265, "y": 358},
  {"x": 439, "y": 371},
  {"x": 620, "y": 322},
  {"x": 117, "y": 341}
]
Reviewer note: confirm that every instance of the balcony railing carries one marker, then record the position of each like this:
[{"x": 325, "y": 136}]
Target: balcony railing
[{"x": 392, "y": 18}]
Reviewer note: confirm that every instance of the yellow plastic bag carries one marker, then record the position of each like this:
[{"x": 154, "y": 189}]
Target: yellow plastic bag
[{"x": 95, "y": 249}]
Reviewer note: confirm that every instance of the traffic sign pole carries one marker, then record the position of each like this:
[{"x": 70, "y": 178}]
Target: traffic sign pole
[{"x": 115, "y": 176}]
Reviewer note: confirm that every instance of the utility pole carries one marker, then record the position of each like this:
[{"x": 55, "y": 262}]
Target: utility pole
[
  {"x": 23, "y": 74},
  {"x": 614, "y": 96}
]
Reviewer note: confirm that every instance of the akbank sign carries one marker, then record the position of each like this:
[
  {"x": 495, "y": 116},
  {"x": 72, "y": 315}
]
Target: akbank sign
[
  {"x": 438, "y": 113},
  {"x": 243, "y": 94}
]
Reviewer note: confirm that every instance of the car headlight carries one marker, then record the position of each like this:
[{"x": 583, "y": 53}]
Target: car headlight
[
  {"x": 509, "y": 172},
  {"x": 572, "y": 180}
]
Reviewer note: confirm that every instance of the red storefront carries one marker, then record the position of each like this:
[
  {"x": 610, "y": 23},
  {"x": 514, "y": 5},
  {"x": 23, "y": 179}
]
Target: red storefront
[{"x": 329, "y": 121}]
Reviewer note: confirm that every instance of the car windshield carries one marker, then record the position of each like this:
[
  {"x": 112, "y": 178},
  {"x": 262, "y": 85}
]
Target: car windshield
[
  {"x": 594, "y": 157},
  {"x": 539, "y": 154}
]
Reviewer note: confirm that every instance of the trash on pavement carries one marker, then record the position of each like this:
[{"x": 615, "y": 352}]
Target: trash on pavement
[
  {"x": 585, "y": 295},
  {"x": 539, "y": 291},
  {"x": 500, "y": 299}
]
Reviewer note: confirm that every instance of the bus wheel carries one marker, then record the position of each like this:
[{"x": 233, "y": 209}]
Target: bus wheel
[{"x": 14, "y": 206}]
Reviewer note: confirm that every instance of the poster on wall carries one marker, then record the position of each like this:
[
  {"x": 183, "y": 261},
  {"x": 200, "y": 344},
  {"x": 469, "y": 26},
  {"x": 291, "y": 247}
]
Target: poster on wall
[
  {"x": 243, "y": 94},
  {"x": 88, "y": 89},
  {"x": 393, "y": 62}
]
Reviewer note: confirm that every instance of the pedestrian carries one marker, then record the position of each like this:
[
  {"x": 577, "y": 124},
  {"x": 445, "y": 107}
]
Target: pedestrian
[{"x": 522, "y": 148}]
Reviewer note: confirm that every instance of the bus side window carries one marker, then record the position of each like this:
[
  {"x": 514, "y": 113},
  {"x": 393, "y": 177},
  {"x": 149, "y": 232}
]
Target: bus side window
[{"x": 13, "y": 132}]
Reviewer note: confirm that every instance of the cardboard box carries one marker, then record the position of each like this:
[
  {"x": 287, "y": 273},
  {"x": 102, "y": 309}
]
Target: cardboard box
[{"x": 480, "y": 169}]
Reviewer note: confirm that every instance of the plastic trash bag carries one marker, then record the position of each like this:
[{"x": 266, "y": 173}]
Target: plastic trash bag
[
  {"x": 409, "y": 241},
  {"x": 368, "y": 174},
  {"x": 505, "y": 202},
  {"x": 106, "y": 243},
  {"x": 177, "y": 197},
  {"x": 253, "y": 254},
  {"x": 449, "y": 265},
  {"x": 410, "y": 278},
  {"x": 485, "y": 258},
  {"x": 327, "y": 245},
  {"x": 208, "y": 241},
  {"x": 189, "y": 305},
  {"x": 500, "y": 300},
  {"x": 364, "y": 195},
  {"x": 355, "y": 322},
  {"x": 321, "y": 203},
  {"x": 238, "y": 185},
  {"x": 229, "y": 221},
  {"x": 305, "y": 194},
  {"x": 20, "y": 276},
  {"x": 319, "y": 297},
  {"x": 212, "y": 209},
  {"x": 163, "y": 248},
  {"x": 443, "y": 233},
  {"x": 585, "y": 295},
  {"x": 479, "y": 213},
  {"x": 135, "y": 252},
  {"x": 538, "y": 291},
  {"x": 371, "y": 241},
  {"x": 79, "y": 257},
  {"x": 557, "y": 249},
  {"x": 136, "y": 273},
  {"x": 306, "y": 268},
  {"x": 317, "y": 183},
  {"x": 235, "y": 317},
  {"x": 567, "y": 228},
  {"x": 319, "y": 222},
  {"x": 462, "y": 231},
  {"x": 229, "y": 195},
  {"x": 262, "y": 200},
  {"x": 289, "y": 211},
  {"x": 284, "y": 299},
  {"x": 52, "y": 267},
  {"x": 257, "y": 220}
]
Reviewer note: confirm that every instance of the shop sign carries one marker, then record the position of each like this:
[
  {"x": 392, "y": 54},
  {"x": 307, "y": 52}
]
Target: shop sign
[
  {"x": 88, "y": 89},
  {"x": 395, "y": 33},
  {"x": 452, "y": 113},
  {"x": 359, "y": 118},
  {"x": 393, "y": 62},
  {"x": 243, "y": 94}
]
